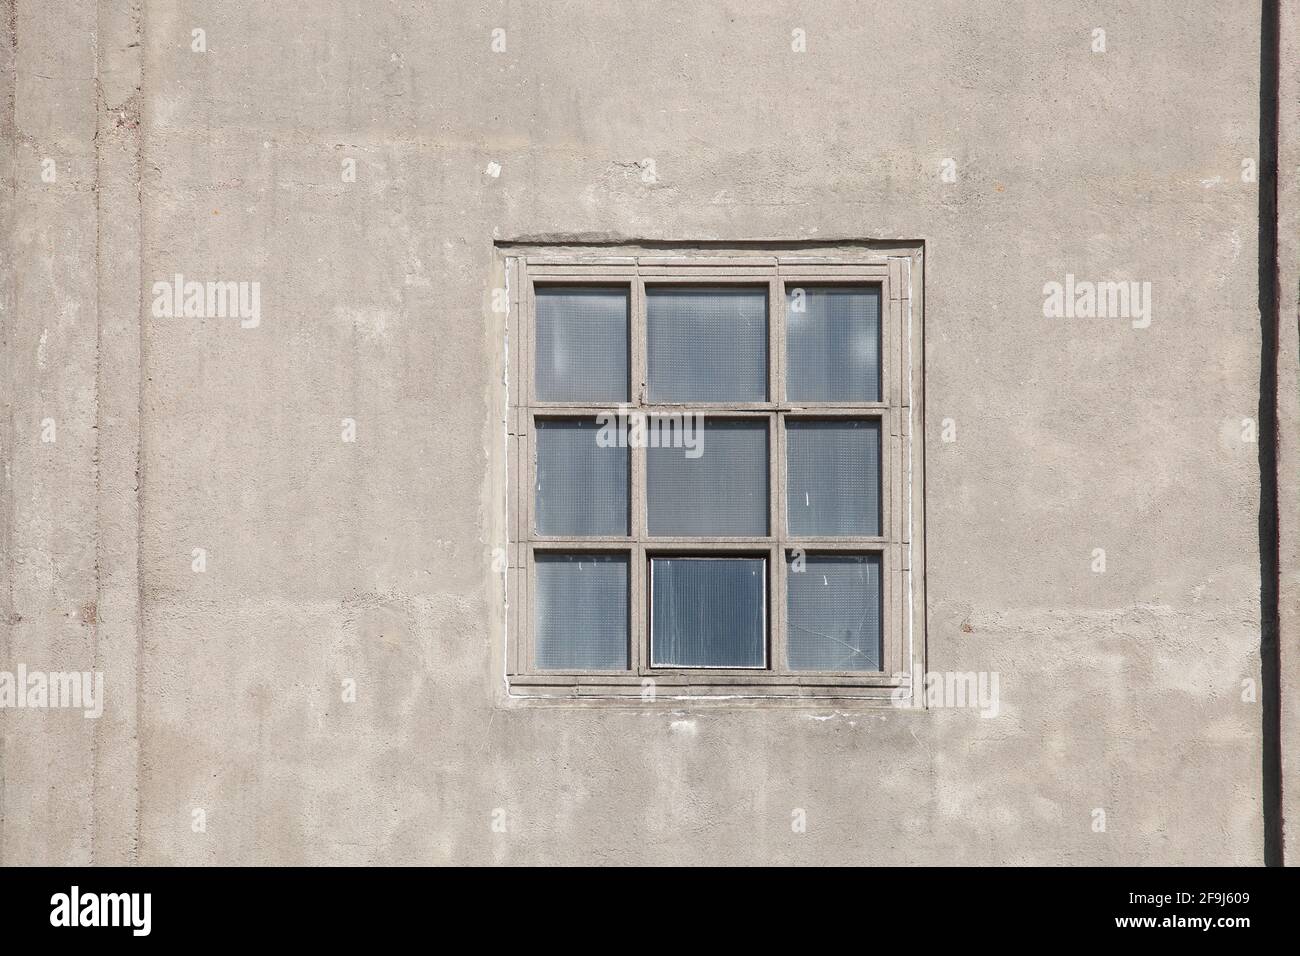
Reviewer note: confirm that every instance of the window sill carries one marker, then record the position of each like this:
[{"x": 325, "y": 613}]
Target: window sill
[{"x": 677, "y": 685}]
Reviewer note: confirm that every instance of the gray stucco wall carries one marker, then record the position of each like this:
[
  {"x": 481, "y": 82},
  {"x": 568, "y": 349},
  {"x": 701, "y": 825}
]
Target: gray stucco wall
[{"x": 370, "y": 561}]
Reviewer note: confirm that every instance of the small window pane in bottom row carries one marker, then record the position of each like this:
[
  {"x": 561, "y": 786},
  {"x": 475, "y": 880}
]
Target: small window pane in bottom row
[
  {"x": 834, "y": 613},
  {"x": 708, "y": 612},
  {"x": 582, "y": 616}
]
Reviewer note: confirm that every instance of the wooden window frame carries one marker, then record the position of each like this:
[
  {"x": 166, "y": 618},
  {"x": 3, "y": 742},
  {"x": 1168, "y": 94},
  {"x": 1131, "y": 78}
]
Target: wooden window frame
[{"x": 900, "y": 545}]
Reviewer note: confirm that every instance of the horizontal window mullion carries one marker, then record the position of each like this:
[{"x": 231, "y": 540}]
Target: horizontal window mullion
[
  {"x": 808, "y": 543},
  {"x": 667, "y": 275},
  {"x": 716, "y": 409},
  {"x": 593, "y": 545},
  {"x": 572, "y": 409},
  {"x": 810, "y": 410},
  {"x": 834, "y": 277},
  {"x": 582, "y": 274},
  {"x": 677, "y": 542}
]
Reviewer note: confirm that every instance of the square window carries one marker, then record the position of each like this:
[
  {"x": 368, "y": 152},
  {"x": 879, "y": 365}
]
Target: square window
[
  {"x": 707, "y": 345},
  {"x": 582, "y": 351},
  {"x": 582, "y": 611},
  {"x": 833, "y": 613},
  {"x": 582, "y": 488},
  {"x": 833, "y": 471},
  {"x": 724, "y": 491},
  {"x": 667, "y": 467},
  {"x": 833, "y": 343},
  {"x": 708, "y": 612}
]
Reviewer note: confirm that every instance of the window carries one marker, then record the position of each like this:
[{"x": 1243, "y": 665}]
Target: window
[{"x": 714, "y": 491}]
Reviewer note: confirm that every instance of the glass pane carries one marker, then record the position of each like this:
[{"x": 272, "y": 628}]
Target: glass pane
[
  {"x": 834, "y": 476},
  {"x": 581, "y": 612},
  {"x": 582, "y": 488},
  {"x": 707, "y": 345},
  {"x": 708, "y": 612},
  {"x": 833, "y": 343},
  {"x": 834, "y": 613},
  {"x": 582, "y": 338},
  {"x": 723, "y": 491}
]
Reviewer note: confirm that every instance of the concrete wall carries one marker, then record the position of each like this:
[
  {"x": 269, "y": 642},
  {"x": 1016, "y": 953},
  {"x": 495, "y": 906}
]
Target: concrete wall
[{"x": 370, "y": 561}]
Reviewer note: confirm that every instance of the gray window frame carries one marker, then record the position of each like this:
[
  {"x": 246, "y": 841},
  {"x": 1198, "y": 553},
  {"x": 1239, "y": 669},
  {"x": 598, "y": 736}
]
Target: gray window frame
[{"x": 897, "y": 270}]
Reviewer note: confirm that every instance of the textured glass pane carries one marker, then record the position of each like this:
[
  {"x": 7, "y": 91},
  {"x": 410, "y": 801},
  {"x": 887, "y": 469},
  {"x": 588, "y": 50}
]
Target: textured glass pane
[
  {"x": 833, "y": 344},
  {"x": 708, "y": 612},
  {"x": 834, "y": 613},
  {"x": 722, "y": 492},
  {"x": 582, "y": 488},
  {"x": 834, "y": 476},
  {"x": 581, "y": 344},
  {"x": 707, "y": 345},
  {"x": 581, "y": 612}
]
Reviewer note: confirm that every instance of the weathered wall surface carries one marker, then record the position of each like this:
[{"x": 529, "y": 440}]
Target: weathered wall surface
[{"x": 327, "y": 561}]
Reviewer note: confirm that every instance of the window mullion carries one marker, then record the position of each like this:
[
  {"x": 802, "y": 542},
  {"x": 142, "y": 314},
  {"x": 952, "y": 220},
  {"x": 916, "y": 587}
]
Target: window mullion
[
  {"x": 638, "y": 624},
  {"x": 640, "y": 635},
  {"x": 777, "y": 638},
  {"x": 640, "y": 629},
  {"x": 637, "y": 346}
]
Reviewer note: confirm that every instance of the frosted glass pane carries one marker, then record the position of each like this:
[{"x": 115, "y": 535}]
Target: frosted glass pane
[
  {"x": 707, "y": 345},
  {"x": 582, "y": 612},
  {"x": 722, "y": 492},
  {"x": 581, "y": 488},
  {"x": 833, "y": 476},
  {"x": 833, "y": 336},
  {"x": 582, "y": 338},
  {"x": 834, "y": 613},
  {"x": 708, "y": 612}
]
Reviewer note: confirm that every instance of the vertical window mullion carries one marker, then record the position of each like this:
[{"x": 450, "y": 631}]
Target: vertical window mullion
[
  {"x": 889, "y": 488},
  {"x": 527, "y": 346},
  {"x": 776, "y": 562},
  {"x": 638, "y": 344},
  {"x": 889, "y": 450},
  {"x": 776, "y": 618},
  {"x": 638, "y": 353},
  {"x": 891, "y": 603},
  {"x": 528, "y": 500},
  {"x": 891, "y": 565},
  {"x": 640, "y": 635},
  {"x": 776, "y": 341},
  {"x": 893, "y": 345},
  {"x": 776, "y": 662},
  {"x": 637, "y": 622},
  {"x": 889, "y": 340},
  {"x": 529, "y": 629}
]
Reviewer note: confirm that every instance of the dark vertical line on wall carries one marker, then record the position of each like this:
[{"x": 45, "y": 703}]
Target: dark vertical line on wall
[
  {"x": 1269, "y": 296},
  {"x": 100, "y": 135},
  {"x": 141, "y": 381},
  {"x": 9, "y": 279}
]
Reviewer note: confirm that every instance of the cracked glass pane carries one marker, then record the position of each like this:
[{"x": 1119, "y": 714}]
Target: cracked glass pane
[{"x": 833, "y": 609}]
